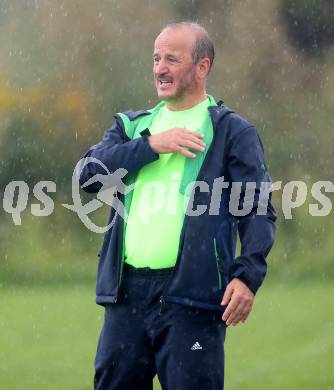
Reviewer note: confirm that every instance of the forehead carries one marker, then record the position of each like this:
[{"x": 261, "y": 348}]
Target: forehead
[{"x": 177, "y": 41}]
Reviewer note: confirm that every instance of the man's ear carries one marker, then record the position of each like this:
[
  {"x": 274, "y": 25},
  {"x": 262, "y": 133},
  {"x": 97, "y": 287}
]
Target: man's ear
[{"x": 203, "y": 67}]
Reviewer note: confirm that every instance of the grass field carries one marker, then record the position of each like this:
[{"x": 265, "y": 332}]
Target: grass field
[{"x": 48, "y": 338}]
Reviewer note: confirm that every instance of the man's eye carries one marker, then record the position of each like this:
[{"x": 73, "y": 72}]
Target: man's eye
[{"x": 155, "y": 60}]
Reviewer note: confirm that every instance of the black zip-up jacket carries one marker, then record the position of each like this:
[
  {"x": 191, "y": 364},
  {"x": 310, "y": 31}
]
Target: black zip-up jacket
[{"x": 206, "y": 259}]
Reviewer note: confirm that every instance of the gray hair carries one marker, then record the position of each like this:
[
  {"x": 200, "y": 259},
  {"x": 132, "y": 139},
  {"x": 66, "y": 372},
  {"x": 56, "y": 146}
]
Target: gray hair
[{"x": 203, "y": 47}]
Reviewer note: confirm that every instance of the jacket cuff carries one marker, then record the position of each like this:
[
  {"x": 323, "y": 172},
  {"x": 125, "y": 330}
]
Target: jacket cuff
[
  {"x": 144, "y": 135},
  {"x": 149, "y": 153},
  {"x": 241, "y": 273}
]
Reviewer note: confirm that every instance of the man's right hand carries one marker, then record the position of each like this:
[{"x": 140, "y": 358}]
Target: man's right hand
[{"x": 177, "y": 140}]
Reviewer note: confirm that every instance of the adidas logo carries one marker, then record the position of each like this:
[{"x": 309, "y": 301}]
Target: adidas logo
[{"x": 197, "y": 345}]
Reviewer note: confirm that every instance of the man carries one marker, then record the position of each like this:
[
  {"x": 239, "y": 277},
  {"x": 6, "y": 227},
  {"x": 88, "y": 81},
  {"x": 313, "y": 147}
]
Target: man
[{"x": 167, "y": 276}]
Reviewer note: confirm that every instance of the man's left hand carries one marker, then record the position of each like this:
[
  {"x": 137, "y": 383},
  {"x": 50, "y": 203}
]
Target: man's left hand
[{"x": 239, "y": 300}]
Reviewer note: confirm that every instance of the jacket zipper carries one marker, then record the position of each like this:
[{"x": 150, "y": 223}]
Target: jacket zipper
[
  {"x": 162, "y": 305},
  {"x": 218, "y": 263}
]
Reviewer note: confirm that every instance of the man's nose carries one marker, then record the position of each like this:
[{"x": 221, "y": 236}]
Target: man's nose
[{"x": 160, "y": 68}]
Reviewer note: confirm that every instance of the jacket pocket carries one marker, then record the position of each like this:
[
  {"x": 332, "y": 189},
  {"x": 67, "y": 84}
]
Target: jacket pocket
[{"x": 218, "y": 263}]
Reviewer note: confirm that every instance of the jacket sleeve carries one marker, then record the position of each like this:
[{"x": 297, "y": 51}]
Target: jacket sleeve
[
  {"x": 245, "y": 163},
  {"x": 116, "y": 150}
]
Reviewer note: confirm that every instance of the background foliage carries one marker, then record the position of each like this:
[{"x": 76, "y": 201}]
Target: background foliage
[{"x": 67, "y": 67}]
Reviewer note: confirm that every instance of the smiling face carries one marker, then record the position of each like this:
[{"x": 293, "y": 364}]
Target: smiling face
[{"x": 175, "y": 74}]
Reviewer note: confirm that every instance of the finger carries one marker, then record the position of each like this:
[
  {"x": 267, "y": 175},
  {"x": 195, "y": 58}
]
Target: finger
[
  {"x": 192, "y": 145},
  {"x": 244, "y": 318},
  {"x": 247, "y": 304},
  {"x": 184, "y": 152},
  {"x": 236, "y": 321},
  {"x": 189, "y": 141},
  {"x": 235, "y": 314},
  {"x": 246, "y": 313},
  {"x": 227, "y": 295},
  {"x": 241, "y": 310},
  {"x": 193, "y": 137},
  {"x": 230, "y": 309},
  {"x": 190, "y": 132},
  {"x": 196, "y": 141}
]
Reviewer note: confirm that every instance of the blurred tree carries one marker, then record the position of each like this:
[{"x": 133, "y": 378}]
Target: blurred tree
[
  {"x": 66, "y": 69},
  {"x": 310, "y": 24},
  {"x": 189, "y": 9}
]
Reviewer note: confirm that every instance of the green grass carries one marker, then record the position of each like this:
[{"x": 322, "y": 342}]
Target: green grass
[{"x": 48, "y": 338}]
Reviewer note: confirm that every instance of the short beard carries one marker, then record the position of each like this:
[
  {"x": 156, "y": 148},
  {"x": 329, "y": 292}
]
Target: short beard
[{"x": 183, "y": 89}]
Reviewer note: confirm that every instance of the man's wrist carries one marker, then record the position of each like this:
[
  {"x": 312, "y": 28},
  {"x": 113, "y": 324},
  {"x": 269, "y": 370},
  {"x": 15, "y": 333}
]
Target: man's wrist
[
  {"x": 245, "y": 282},
  {"x": 150, "y": 140}
]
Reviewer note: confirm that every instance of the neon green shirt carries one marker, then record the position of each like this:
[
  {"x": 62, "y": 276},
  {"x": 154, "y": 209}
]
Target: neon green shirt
[{"x": 157, "y": 207}]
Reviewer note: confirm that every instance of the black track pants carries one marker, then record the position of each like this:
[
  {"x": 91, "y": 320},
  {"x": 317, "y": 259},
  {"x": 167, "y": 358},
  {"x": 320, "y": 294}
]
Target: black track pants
[{"x": 184, "y": 346}]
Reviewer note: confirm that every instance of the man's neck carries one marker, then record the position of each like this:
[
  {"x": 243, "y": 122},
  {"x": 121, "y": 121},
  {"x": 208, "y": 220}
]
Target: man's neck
[{"x": 186, "y": 103}]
